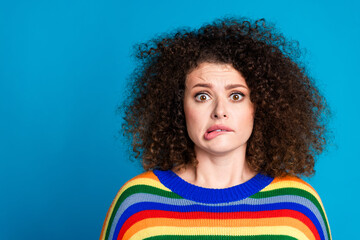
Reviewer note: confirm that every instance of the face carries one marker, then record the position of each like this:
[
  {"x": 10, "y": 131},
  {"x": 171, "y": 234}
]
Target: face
[{"x": 218, "y": 111}]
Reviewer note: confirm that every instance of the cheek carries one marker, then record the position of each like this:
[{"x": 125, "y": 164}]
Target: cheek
[
  {"x": 251, "y": 119},
  {"x": 245, "y": 117},
  {"x": 191, "y": 111},
  {"x": 190, "y": 117},
  {"x": 194, "y": 120}
]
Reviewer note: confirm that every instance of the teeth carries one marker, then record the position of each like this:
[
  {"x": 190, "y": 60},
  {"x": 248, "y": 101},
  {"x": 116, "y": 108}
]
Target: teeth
[{"x": 218, "y": 130}]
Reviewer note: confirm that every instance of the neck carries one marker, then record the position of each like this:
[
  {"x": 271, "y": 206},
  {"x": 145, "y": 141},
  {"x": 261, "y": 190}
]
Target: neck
[{"x": 218, "y": 170}]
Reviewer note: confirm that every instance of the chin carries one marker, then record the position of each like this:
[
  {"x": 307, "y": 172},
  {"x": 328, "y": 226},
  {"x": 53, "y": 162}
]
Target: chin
[{"x": 220, "y": 148}]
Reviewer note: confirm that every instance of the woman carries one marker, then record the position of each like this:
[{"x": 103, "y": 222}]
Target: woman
[{"x": 225, "y": 118}]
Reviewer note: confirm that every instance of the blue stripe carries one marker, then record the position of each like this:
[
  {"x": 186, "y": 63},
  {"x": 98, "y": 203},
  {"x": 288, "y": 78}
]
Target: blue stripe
[{"x": 209, "y": 195}]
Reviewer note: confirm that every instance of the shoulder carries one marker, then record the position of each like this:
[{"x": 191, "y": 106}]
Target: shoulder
[
  {"x": 294, "y": 189},
  {"x": 137, "y": 189},
  {"x": 130, "y": 199},
  {"x": 300, "y": 200},
  {"x": 146, "y": 179},
  {"x": 291, "y": 185}
]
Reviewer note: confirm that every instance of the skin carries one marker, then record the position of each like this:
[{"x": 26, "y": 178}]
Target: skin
[{"x": 217, "y": 94}]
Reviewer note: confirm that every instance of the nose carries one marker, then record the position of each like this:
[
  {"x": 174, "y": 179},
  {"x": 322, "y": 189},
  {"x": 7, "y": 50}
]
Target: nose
[{"x": 219, "y": 111}]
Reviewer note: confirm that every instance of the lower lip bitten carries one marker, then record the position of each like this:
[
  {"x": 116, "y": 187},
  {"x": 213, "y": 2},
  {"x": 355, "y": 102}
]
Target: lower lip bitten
[{"x": 213, "y": 134}]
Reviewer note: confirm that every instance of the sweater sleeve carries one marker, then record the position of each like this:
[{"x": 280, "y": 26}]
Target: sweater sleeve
[
  {"x": 124, "y": 204},
  {"x": 301, "y": 198},
  {"x": 109, "y": 223},
  {"x": 323, "y": 219}
]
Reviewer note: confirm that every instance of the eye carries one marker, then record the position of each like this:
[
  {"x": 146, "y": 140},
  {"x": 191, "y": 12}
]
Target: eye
[
  {"x": 236, "y": 96},
  {"x": 202, "y": 97}
]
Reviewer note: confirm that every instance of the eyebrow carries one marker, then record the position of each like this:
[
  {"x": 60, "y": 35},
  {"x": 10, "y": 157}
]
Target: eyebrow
[{"x": 208, "y": 85}]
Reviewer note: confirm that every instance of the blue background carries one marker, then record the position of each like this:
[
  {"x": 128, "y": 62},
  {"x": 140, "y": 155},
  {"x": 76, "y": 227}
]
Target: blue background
[{"x": 63, "y": 67}]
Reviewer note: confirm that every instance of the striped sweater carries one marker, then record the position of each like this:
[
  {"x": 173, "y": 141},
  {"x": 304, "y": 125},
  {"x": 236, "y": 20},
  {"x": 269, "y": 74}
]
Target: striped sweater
[{"x": 160, "y": 205}]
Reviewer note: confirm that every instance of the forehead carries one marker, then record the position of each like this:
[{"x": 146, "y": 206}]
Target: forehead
[{"x": 214, "y": 73}]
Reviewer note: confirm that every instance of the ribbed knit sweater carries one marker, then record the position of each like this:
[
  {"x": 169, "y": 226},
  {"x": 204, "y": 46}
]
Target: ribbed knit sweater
[{"x": 160, "y": 205}]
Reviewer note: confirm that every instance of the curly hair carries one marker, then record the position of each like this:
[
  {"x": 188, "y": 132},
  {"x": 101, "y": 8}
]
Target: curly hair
[{"x": 290, "y": 118}]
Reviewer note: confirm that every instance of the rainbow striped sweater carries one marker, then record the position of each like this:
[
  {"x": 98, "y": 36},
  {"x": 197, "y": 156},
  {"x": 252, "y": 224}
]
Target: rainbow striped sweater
[{"x": 159, "y": 205}]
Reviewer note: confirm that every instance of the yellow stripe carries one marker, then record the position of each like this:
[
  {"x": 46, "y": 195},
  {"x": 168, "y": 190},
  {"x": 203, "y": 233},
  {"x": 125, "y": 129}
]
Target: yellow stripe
[
  {"x": 289, "y": 183},
  {"x": 225, "y": 231},
  {"x": 144, "y": 181}
]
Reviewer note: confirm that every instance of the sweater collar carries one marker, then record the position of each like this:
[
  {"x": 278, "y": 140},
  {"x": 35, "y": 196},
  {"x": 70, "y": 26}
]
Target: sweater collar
[{"x": 209, "y": 195}]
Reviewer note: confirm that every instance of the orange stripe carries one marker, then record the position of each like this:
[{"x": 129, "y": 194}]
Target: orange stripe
[
  {"x": 148, "y": 174},
  {"x": 281, "y": 221}
]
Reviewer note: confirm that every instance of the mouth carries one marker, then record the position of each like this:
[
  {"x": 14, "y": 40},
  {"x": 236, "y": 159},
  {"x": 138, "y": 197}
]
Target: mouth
[
  {"x": 216, "y": 130},
  {"x": 219, "y": 128}
]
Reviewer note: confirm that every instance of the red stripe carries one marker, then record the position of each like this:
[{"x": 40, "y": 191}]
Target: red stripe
[{"x": 210, "y": 215}]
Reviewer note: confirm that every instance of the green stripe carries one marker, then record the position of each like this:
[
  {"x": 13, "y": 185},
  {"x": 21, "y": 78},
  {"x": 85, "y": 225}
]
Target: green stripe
[
  {"x": 138, "y": 189},
  {"x": 215, "y": 237},
  {"x": 296, "y": 192}
]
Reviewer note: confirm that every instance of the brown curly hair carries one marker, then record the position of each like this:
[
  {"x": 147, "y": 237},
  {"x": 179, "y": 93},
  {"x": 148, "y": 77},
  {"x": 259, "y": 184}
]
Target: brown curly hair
[{"x": 290, "y": 118}]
